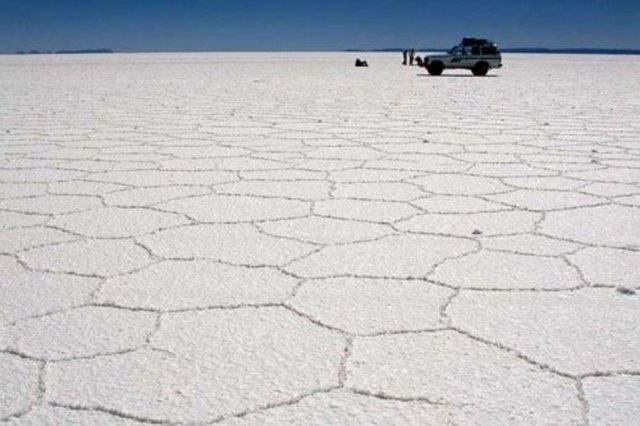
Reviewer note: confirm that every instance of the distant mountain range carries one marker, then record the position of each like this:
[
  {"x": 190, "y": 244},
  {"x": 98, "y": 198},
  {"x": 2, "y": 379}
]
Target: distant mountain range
[
  {"x": 576, "y": 50},
  {"x": 37, "y": 52}
]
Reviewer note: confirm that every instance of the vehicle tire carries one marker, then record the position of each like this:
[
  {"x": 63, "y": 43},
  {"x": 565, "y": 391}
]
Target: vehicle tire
[
  {"x": 435, "y": 68},
  {"x": 480, "y": 69}
]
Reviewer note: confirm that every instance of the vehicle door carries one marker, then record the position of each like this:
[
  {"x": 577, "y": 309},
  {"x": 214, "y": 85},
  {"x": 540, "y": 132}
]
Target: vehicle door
[{"x": 462, "y": 58}]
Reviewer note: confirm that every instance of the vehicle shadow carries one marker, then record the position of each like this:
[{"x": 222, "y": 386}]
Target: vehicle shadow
[{"x": 457, "y": 76}]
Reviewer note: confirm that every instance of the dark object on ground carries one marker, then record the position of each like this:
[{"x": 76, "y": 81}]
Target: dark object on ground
[
  {"x": 477, "y": 55},
  {"x": 360, "y": 63},
  {"x": 419, "y": 61},
  {"x": 480, "y": 69},
  {"x": 435, "y": 67},
  {"x": 626, "y": 291}
]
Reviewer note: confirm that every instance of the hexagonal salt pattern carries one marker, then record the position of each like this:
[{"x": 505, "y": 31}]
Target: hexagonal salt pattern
[
  {"x": 397, "y": 256},
  {"x": 117, "y": 223},
  {"x": 466, "y": 225},
  {"x": 610, "y": 267},
  {"x": 326, "y": 231},
  {"x": 613, "y": 400},
  {"x": 283, "y": 239},
  {"x": 13, "y": 240},
  {"x": 42, "y": 415},
  {"x": 500, "y": 270},
  {"x": 182, "y": 284},
  {"x": 368, "y": 306},
  {"x": 582, "y": 332},
  {"x": 480, "y": 382},
  {"x": 107, "y": 257},
  {"x": 237, "y": 243},
  {"x": 236, "y": 208},
  {"x": 20, "y": 385},
  {"x": 25, "y": 294},
  {"x": 260, "y": 357},
  {"x": 78, "y": 333},
  {"x": 611, "y": 225},
  {"x": 343, "y": 407}
]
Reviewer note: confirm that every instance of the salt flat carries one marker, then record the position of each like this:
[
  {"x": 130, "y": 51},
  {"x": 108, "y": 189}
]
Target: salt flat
[{"x": 284, "y": 238}]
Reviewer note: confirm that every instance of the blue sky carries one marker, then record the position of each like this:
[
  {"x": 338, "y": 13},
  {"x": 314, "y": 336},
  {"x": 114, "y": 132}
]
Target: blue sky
[{"x": 201, "y": 25}]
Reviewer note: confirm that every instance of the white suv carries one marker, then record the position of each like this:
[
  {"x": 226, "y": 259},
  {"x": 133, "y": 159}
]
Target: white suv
[{"x": 475, "y": 54}]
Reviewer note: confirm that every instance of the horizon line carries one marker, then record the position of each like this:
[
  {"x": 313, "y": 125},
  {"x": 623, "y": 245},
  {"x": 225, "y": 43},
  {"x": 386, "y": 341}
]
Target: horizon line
[{"x": 516, "y": 49}]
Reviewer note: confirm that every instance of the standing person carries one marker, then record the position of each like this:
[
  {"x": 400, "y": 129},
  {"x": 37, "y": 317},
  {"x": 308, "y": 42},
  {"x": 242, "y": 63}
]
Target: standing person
[
  {"x": 412, "y": 55},
  {"x": 404, "y": 57}
]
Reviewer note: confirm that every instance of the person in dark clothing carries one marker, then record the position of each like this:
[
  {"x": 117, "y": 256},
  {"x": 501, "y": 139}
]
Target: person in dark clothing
[
  {"x": 412, "y": 55},
  {"x": 404, "y": 57},
  {"x": 419, "y": 61},
  {"x": 360, "y": 63}
]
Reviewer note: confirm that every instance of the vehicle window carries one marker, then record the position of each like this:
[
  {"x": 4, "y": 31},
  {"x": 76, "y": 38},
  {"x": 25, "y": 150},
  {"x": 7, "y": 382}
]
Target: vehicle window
[
  {"x": 489, "y": 50},
  {"x": 475, "y": 50},
  {"x": 459, "y": 50}
]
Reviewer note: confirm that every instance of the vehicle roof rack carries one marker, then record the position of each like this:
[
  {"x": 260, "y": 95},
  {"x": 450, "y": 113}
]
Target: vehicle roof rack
[{"x": 470, "y": 41}]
